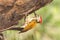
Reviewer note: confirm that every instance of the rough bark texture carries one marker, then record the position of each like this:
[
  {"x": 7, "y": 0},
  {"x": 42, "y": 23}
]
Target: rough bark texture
[{"x": 11, "y": 11}]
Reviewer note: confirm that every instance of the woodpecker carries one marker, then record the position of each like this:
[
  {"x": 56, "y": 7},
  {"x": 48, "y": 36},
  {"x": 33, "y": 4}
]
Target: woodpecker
[{"x": 30, "y": 23}]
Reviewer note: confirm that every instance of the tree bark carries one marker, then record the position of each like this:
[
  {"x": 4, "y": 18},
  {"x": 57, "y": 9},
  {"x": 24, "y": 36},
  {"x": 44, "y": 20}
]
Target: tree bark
[{"x": 11, "y": 11}]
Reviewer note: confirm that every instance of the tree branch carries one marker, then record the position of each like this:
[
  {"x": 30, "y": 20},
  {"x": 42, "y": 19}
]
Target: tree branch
[{"x": 11, "y": 11}]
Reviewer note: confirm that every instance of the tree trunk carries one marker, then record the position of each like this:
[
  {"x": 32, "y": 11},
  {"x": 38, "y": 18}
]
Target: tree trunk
[{"x": 11, "y": 11}]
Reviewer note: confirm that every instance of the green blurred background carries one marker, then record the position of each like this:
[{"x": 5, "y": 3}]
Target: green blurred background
[{"x": 48, "y": 30}]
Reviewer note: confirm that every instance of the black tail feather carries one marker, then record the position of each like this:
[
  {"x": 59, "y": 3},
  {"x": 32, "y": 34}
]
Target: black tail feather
[{"x": 16, "y": 28}]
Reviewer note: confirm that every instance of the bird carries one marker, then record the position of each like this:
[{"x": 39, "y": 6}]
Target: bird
[{"x": 29, "y": 24}]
